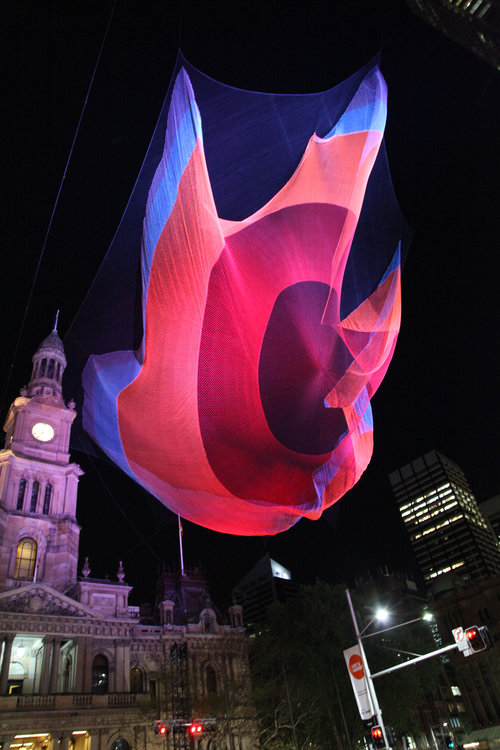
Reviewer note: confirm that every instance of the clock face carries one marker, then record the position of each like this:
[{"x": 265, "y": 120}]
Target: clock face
[{"x": 42, "y": 431}]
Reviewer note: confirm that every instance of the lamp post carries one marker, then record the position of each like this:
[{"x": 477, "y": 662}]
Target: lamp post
[
  {"x": 369, "y": 679},
  {"x": 369, "y": 682}
]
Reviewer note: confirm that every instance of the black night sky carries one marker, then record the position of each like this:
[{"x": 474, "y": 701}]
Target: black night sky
[{"x": 442, "y": 142}]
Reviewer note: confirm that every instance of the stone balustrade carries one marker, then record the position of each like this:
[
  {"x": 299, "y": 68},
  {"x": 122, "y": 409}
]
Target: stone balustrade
[{"x": 67, "y": 701}]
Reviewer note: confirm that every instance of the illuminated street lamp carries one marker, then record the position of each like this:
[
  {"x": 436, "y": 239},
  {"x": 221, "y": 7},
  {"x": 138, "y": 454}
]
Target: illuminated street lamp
[{"x": 380, "y": 616}]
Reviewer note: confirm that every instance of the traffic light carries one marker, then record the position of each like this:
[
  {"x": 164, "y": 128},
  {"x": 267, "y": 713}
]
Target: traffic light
[
  {"x": 161, "y": 727},
  {"x": 378, "y": 736},
  {"x": 195, "y": 729},
  {"x": 448, "y": 741},
  {"x": 478, "y": 638}
]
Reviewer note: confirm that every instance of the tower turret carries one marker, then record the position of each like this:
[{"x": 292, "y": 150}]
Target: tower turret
[{"x": 49, "y": 363}]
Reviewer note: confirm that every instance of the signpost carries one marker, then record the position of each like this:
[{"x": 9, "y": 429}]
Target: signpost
[{"x": 461, "y": 640}]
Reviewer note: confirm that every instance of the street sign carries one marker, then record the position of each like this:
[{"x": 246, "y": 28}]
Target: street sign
[{"x": 461, "y": 641}]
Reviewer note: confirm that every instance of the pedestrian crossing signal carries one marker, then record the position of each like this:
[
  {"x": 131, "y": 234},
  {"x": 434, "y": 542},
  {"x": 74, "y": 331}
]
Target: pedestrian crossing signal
[{"x": 378, "y": 736}]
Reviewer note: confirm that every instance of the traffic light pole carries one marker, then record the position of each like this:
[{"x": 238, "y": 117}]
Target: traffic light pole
[{"x": 369, "y": 681}]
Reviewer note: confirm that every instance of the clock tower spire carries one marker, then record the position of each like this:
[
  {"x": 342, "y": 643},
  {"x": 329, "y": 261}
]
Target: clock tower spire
[
  {"x": 49, "y": 363},
  {"x": 39, "y": 532}
]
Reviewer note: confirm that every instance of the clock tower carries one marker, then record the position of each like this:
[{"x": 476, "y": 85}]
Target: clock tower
[{"x": 39, "y": 533}]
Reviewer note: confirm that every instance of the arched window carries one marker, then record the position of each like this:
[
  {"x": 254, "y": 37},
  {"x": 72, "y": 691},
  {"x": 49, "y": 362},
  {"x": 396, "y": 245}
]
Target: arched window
[
  {"x": 100, "y": 674},
  {"x": 20, "y": 494},
  {"x": 34, "y": 496},
  {"x": 58, "y": 371},
  {"x": 50, "y": 369},
  {"x": 25, "y": 559},
  {"x": 211, "y": 679},
  {"x": 46, "y": 499},
  {"x": 120, "y": 744},
  {"x": 42, "y": 367},
  {"x": 136, "y": 681}
]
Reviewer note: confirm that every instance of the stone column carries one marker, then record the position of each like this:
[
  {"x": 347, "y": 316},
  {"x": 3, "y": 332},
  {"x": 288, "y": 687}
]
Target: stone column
[
  {"x": 98, "y": 739},
  {"x": 87, "y": 674},
  {"x": 45, "y": 675},
  {"x": 195, "y": 679},
  {"x": 6, "y": 739},
  {"x": 54, "y": 673},
  {"x": 118, "y": 669},
  {"x": 80, "y": 665},
  {"x": 126, "y": 666},
  {"x": 4, "y": 671}
]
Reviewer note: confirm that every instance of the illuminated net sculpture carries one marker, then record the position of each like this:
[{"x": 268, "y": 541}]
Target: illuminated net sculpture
[{"x": 235, "y": 385}]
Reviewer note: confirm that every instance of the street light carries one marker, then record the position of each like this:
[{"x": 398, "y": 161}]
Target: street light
[
  {"x": 427, "y": 617},
  {"x": 382, "y": 613},
  {"x": 369, "y": 682}
]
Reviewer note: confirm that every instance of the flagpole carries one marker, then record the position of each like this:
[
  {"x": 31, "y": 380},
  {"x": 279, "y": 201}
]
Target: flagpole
[{"x": 179, "y": 525}]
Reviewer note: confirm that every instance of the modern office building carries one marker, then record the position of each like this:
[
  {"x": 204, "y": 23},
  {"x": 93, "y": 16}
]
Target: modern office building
[
  {"x": 491, "y": 510},
  {"x": 267, "y": 582},
  {"x": 474, "y": 24},
  {"x": 454, "y": 543},
  {"x": 478, "y": 676}
]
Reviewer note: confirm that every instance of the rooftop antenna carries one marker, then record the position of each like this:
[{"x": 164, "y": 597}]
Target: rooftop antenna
[{"x": 56, "y": 321}]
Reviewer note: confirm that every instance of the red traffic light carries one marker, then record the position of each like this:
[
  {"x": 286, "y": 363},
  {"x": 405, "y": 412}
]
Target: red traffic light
[
  {"x": 160, "y": 727},
  {"x": 195, "y": 728},
  {"x": 378, "y": 737},
  {"x": 475, "y": 638}
]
